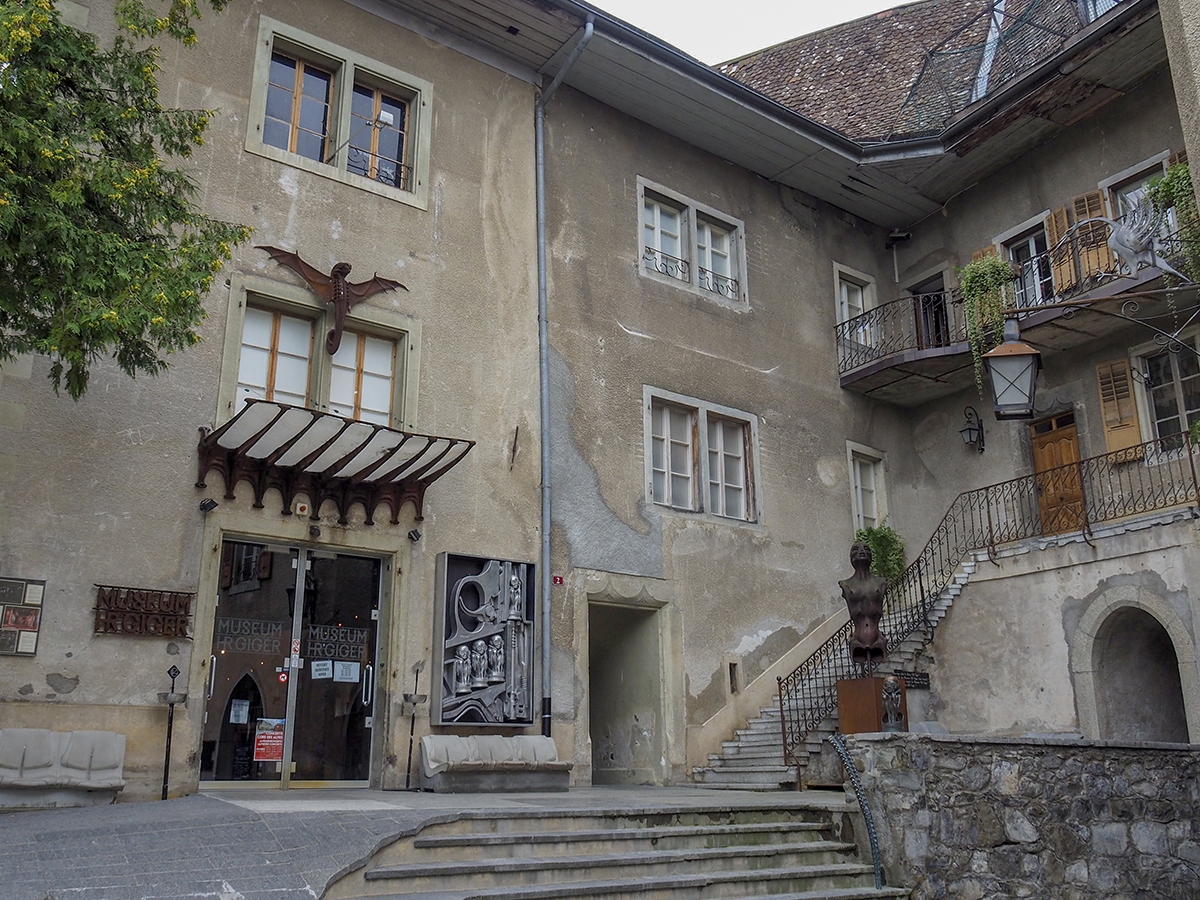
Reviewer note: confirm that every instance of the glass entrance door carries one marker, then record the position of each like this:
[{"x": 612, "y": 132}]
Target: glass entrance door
[{"x": 291, "y": 685}]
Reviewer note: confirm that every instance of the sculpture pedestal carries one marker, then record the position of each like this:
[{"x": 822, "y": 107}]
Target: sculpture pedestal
[{"x": 861, "y": 706}]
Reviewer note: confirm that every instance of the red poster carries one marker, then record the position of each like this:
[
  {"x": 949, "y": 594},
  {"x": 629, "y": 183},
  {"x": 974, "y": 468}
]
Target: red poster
[{"x": 268, "y": 740}]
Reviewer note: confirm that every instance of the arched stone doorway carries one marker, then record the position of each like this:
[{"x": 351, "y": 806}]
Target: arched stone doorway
[
  {"x": 1138, "y": 693},
  {"x": 1133, "y": 662}
]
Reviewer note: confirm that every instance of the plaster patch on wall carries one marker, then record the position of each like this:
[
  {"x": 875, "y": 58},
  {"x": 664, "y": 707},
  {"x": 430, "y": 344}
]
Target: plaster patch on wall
[
  {"x": 25, "y": 690},
  {"x": 598, "y": 538},
  {"x": 61, "y": 683},
  {"x": 831, "y": 470},
  {"x": 751, "y": 642},
  {"x": 289, "y": 183},
  {"x": 930, "y": 433},
  {"x": 335, "y": 229},
  {"x": 172, "y": 649}
]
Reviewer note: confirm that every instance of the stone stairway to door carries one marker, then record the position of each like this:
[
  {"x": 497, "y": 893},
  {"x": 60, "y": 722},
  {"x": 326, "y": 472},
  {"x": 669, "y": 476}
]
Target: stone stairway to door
[{"x": 753, "y": 759}]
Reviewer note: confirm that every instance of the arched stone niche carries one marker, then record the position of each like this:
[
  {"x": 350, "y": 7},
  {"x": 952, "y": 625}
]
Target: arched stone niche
[{"x": 1124, "y": 625}]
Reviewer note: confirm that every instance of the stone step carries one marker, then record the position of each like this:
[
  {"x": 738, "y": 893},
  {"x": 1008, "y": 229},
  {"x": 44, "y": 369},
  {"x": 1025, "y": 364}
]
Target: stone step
[
  {"x": 739, "y": 758},
  {"x": 532, "y": 823},
  {"x": 745, "y": 775},
  {"x": 681, "y": 888},
  {"x": 820, "y": 860},
  {"x": 461, "y": 846}
]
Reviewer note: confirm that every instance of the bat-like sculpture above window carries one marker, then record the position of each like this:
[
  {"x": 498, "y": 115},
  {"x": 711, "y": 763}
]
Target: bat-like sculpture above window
[{"x": 333, "y": 288}]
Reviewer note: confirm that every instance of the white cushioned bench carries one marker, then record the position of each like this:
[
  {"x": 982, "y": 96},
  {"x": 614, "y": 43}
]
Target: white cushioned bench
[
  {"x": 491, "y": 763},
  {"x": 43, "y": 768}
]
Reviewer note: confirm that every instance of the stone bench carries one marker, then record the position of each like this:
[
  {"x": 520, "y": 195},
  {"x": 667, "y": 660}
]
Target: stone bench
[
  {"x": 491, "y": 763},
  {"x": 41, "y": 768}
]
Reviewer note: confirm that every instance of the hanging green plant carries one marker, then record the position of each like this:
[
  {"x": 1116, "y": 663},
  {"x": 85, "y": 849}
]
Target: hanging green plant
[
  {"x": 986, "y": 284},
  {"x": 1174, "y": 191},
  {"x": 887, "y": 550}
]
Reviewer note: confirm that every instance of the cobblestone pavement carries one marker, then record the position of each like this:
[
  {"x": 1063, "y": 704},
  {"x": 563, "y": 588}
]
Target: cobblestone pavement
[{"x": 262, "y": 844}]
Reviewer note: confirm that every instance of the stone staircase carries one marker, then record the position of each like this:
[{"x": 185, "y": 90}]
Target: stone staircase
[
  {"x": 753, "y": 758},
  {"x": 794, "y": 849}
]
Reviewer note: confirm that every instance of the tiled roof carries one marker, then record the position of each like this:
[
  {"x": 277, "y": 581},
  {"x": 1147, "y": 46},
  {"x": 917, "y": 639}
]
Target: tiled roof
[{"x": 904, "y": 71}]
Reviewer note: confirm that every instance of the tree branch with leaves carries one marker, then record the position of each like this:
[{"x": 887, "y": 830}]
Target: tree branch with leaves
[{"x": 104, "y": 251}]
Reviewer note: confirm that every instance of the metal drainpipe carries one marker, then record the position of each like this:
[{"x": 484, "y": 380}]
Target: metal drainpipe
[{"x": 544, "y": 354}]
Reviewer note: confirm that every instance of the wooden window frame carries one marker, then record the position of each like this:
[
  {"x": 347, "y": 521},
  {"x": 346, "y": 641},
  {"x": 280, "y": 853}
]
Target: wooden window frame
[
  {"x": 694, "y": 274},
  {"x": 700, "y": 453},
  {"x": 349, "y": 70},
  {"x": 262, "y": 293},
  {"x": 857, "y": 454}
]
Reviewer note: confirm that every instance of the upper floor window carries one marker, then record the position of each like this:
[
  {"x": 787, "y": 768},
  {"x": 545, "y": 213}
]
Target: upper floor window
[
  {"x": 1094, "y": 9},
  {"x": 868, "y": 497},
  {"x": 274, "y": 363},
  {"x": 691, "y": 245},
  {"x": 1028, "y": 252},
  {"x": 297, "y": 115},
  {"x": 330, "y": 111},
  {"x": 276, "y": 339},
  {"x": 1172, "y": 387},
  {"x": 1129, "y": 188},
  {"x": 700, "y": 456}
]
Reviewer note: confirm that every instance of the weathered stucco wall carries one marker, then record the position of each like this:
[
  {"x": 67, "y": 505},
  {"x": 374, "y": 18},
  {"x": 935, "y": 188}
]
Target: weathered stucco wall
[
  {"x": 745, "y": 591},
  {"x": 101, "y": 491},
  {"x": 974, "y": 818},
  {"x": 1019, "y": 651}
]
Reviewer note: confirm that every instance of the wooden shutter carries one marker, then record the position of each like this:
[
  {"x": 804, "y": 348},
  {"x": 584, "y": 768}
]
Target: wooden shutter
[
  {"x": 1176, "y": 158},
  {"x": 989, "y": 250},
  {"x": 1095, "y": 257},
  {"x": 1119, "y": 408},
  {"x": 1062, "y": 260}
]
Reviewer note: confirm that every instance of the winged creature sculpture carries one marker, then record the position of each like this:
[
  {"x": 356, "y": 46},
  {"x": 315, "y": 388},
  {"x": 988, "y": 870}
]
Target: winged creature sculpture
[
  {"x": 1132, "y": 238},
  {"x": 333, "y": 288}
]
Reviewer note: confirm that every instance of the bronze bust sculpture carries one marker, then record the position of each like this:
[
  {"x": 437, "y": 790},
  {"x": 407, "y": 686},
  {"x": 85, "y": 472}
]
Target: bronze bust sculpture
[{"x": 863, "y": 593}]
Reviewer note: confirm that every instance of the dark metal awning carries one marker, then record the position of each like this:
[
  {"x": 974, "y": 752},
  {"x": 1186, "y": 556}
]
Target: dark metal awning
[{"x": 325, "y": 457}]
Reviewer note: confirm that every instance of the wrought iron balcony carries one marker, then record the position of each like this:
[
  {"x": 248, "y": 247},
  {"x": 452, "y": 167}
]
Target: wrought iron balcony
[
  {"x": 915, "y": 349},
  {"x": 1150, "y": 477}
]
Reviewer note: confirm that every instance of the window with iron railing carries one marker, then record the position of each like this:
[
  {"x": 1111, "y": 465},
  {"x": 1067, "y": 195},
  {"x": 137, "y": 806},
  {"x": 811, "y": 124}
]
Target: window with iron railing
[
  {"x": 328, "y": 110},
  {"x": 690, "y": 245}
]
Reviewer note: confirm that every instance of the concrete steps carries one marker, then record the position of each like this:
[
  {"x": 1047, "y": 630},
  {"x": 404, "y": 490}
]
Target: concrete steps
[
  {"x": 722, "y": 850},
  {"x": 753, "y": 759}
]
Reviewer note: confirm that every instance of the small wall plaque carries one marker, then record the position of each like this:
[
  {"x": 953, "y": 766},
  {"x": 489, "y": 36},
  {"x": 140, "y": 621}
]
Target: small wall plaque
[
  {"x": 20, "y": 615},
  {"x": 918, "y": 681}
]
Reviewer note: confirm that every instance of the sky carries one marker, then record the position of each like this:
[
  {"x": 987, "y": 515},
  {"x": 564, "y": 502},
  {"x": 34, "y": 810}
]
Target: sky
[{"x": 714, "y": 31}]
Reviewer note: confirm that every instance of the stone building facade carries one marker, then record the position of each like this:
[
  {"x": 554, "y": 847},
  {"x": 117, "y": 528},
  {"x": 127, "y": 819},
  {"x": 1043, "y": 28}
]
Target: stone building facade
[{"x": 694, "y": 429}]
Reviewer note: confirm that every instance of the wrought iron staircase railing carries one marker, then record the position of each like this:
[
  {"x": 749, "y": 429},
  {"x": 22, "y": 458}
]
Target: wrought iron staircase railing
[{"x": 1157, "y": 475}]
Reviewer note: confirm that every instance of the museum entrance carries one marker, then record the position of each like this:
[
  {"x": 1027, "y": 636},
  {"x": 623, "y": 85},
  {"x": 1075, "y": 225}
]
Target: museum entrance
[{"x": 291, "y": 677}]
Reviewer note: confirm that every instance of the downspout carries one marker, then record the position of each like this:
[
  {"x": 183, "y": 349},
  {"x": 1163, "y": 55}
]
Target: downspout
[{"x": 544, "y": 353}]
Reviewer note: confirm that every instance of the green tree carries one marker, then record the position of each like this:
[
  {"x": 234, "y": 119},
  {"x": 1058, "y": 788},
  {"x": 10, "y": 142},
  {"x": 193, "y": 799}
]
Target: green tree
[{"x": 103, "y": 251}]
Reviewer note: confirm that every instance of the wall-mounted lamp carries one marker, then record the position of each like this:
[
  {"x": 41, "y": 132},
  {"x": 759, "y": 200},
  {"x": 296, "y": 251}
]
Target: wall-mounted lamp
[
  {"x": 972, "y": 432},
  {"x": 414, "y": 535},
  {"x": 208, "y": 504},
  {"x": 383, "y": 120}
]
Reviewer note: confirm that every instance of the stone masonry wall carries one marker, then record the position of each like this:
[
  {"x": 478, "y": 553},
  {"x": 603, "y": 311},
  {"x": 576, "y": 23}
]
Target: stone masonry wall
[{"x": 983, "y": 817}]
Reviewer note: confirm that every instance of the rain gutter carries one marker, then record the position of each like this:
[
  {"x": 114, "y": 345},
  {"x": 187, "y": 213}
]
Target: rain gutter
[{"x": 544, "y": 352}]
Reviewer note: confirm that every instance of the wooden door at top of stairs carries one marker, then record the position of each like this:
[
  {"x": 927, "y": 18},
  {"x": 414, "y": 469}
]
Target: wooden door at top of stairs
[{"x": 1059, "y": 485}]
